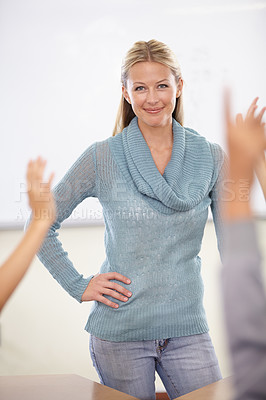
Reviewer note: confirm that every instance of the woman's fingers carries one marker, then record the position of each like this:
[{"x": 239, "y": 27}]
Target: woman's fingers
[
  {"x": 106, "y": 301},
  {"x": 101, "y": 285},
  {"x": 114, "y": 289},
  {"x": 117, "y": 277},
  {"x": 115, "y": 295},
  {"x": 119, "y": 288},
  {"x": 110, "y": 293}
]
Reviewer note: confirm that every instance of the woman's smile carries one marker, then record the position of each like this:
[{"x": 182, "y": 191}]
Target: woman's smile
[{"x": 153, "y": 110}]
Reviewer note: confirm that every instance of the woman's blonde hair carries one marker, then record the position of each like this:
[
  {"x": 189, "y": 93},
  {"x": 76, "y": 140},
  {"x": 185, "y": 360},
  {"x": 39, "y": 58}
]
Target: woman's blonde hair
[{"x": 147, "y": 51}]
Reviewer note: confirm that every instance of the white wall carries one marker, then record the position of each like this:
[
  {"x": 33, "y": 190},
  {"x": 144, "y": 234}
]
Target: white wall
[
  {"x": 60, "y": 68},
  {"x": 42, "y": 326}
]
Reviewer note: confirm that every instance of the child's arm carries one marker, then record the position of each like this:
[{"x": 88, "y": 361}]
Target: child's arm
[
  {"x": 43, "y": 214},
  {"x": 243, "y": 292},
  {"x": 260, "y": 164},
  {"x": 261, "y": 173},
  {"x": 246, "y": 142}
]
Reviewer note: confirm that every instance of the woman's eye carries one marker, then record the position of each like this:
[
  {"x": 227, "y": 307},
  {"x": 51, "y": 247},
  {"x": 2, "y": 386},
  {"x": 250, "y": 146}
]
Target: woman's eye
[
  {"x": 162, "y": 86},
  {"x": 139, "y": 88}
]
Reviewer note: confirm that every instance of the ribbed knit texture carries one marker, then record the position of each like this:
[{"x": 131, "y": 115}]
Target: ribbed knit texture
[{"x": 154, "y": 229}]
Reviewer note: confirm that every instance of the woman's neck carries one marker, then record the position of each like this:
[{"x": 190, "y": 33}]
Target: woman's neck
[{"x": 158, "y": 138}]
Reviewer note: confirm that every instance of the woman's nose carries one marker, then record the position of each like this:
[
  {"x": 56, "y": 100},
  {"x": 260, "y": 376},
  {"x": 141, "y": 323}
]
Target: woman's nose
[{"x": 152, "y": 97}]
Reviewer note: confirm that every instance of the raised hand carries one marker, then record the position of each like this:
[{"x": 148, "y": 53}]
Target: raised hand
[
  {"x": 260, "y": 165},
  {"x": 43, "y": 214},
  {"x": 246, "y": 141},
  {"x": 40, "y": 197}
]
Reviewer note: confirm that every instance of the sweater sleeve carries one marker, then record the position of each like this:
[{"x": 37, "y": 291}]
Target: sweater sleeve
[
  {"x": 245, "y": 309},
  {"x": 78, "y": 184},
  {"x": 221, "y": 165}
]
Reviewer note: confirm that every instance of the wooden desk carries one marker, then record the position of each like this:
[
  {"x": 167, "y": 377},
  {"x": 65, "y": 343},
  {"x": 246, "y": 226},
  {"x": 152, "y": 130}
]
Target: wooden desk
[
  {"x": 74, "y": 387},
  {"x": 220, "y": 390},
  {"x": 56, "y": 387}
]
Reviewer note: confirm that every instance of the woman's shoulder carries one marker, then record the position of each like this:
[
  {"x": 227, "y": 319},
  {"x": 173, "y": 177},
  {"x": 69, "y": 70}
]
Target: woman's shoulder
[
  {"x": 103, "y": 144},
  {"x": 192, "y": 131},
  {"x": 103, "y": 151},
  {"x": 216, "y": 149},
  {"x": 99, "y": 147},
  {"x": 206, "y": 150}
]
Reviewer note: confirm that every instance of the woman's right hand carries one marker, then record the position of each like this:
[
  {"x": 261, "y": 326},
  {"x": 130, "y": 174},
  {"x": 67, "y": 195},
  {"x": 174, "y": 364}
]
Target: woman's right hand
[{"x": 101, "y": 285}]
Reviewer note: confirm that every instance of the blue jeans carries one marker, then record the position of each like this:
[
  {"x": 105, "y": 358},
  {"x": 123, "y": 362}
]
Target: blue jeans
[{"x": 184, "y": 364}]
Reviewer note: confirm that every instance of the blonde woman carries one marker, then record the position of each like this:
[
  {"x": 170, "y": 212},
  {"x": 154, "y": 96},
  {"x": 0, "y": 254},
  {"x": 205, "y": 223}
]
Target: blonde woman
[{"x": 155, "y": 180}]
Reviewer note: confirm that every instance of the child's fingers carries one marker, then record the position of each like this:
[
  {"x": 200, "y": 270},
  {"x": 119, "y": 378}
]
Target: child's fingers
[
  {"x": 35, "y": 172},
  {"x": 252, "y": 107},
  {"x": 239, "y": 119},
  {"x": 260, "y": 115},
  {"x": 251, "y": 115},
  {"x": 29, "y": 170},
  {"x": 227, "y": 106},
  {"x": 39, "y": 168},
  {"x": 51, "y": 177}
]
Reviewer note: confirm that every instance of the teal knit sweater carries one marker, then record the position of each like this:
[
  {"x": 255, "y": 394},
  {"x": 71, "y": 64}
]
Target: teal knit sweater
[{"x": 154, "y": 228}]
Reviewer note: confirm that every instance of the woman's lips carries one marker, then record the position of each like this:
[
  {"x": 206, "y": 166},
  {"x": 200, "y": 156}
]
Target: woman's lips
[{"x": 153, "y": 110}]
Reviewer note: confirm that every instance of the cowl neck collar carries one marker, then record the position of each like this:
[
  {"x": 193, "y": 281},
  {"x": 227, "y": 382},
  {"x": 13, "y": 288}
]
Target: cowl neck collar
[{"x": 187, "y": 176}]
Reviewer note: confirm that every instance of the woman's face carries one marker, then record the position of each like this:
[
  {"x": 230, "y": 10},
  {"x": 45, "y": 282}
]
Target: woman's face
[{"x": 151, "y": 89}]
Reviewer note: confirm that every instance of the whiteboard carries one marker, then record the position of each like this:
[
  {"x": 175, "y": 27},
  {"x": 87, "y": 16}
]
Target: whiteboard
[{"x": 60, "y": 77}]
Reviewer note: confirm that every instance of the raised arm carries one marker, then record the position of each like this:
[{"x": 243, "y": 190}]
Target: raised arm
[
  {"x": 260, "y": 163},
  {"x": 43, "y": 214},
  {"x": 246, "y": 145},
  {"x": 242, "y": 283},
  {"x": 260, "y": 169}
]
